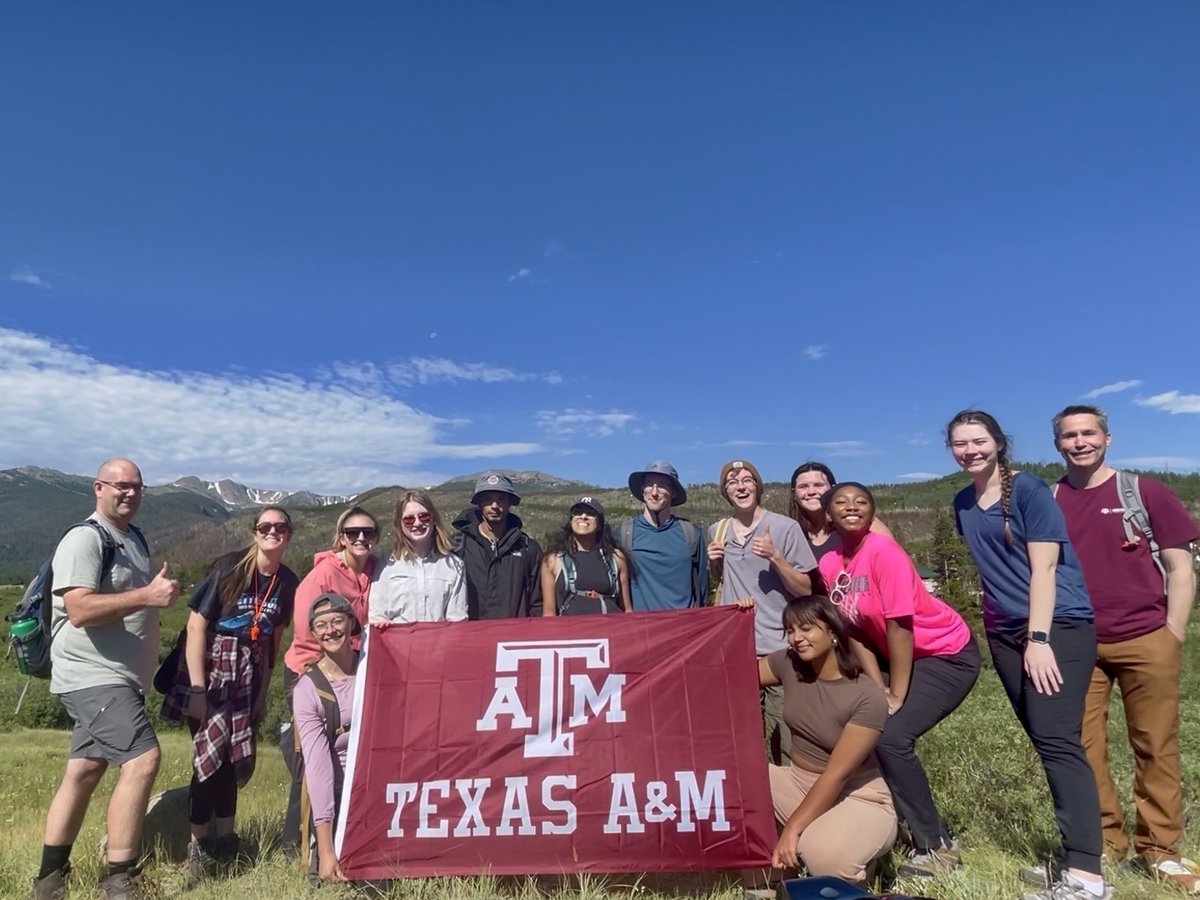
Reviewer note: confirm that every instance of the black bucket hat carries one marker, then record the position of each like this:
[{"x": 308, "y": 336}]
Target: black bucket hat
[{"x": 494, "y": 481}]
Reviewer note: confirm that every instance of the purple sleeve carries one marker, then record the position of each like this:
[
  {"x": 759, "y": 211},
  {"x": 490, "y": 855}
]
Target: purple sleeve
[{"x": 314, "y": 746}]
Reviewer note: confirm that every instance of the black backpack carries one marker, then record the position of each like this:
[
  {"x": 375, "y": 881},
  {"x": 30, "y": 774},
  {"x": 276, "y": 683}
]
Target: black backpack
[{"x": 37, "y": 603}]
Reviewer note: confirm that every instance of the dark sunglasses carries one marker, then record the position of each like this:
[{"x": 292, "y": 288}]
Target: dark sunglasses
[
  {"x": 356, "y": 534},
  {"x": 277, "y": 527},
  {"x": 423, "y": 518}
]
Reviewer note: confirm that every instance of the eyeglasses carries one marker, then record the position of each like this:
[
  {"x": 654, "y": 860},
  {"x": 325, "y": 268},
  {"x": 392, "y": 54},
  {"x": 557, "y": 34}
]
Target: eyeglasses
[
  {"x": 424, "y": 518},
  {"x": 123, "y": 487},
  {"x": 740, "y": 482},
  {"x": 583, "y": 514},
  {"x": 356, "y": 534},
  {"x": 330, "y": 623},
  {"x": 265, "y": 528}
]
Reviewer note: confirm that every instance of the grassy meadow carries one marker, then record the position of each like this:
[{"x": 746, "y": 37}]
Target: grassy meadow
[{"x": 986, "y": 779}]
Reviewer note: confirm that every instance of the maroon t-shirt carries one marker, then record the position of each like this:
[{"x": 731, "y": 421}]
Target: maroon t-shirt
[{"x": 1126, "y": 588}]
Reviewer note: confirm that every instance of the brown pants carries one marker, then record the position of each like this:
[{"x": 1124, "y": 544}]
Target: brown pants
[
  {"x": 1146, "y": 669},
  {"x": 849, "y": 836}
]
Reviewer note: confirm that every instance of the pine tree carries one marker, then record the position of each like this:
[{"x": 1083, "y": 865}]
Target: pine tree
[{"x": 949, "y": 558}]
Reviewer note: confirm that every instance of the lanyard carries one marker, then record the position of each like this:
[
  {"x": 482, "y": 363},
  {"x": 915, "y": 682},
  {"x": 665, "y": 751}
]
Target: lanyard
[{"x": 259, "y": 603}]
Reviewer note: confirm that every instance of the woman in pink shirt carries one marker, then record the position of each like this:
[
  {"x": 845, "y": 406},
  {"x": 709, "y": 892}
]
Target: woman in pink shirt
[{"x": 933, "y": 659}]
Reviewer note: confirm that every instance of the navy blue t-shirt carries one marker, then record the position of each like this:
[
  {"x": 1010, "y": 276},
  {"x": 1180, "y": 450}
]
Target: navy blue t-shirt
[
  {"x": 274, "y": 608},
  {"x": 1004, "y": 569}
]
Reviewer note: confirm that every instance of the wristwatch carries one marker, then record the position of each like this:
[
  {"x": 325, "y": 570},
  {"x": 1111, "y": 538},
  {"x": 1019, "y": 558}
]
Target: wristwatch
[{"x": 1039, "y": 637}]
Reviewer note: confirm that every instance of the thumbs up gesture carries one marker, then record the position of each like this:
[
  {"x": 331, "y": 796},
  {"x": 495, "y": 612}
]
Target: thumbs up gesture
[{"x": 162, "y": 591}]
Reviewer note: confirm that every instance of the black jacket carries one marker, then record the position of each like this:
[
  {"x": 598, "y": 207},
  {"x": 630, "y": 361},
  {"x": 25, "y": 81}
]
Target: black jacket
[{"x": 504, "y": 582}]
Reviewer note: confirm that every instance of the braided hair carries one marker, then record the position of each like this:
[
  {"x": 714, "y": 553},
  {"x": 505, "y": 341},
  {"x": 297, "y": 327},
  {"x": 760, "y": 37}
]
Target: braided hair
[{"x": 996, "y": 433}]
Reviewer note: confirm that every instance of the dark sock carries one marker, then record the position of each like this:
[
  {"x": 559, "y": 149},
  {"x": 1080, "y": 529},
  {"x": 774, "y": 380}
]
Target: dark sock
[
  {"x": 120, "y": 868},
  {"x": 54, "y": 858}
]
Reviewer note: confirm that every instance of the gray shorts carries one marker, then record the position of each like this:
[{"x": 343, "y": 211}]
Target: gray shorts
[{"x": 110, "y": 723}]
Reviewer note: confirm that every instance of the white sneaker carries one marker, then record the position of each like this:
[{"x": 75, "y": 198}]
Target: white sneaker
[{"x": 1068, "y": 887}]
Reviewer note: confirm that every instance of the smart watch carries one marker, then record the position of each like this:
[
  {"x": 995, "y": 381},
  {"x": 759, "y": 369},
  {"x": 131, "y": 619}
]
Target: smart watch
[{"x": 1039, "y": 637}]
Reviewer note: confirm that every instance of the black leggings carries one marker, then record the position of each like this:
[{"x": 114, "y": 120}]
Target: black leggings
[
  {"x": 215, "y": 797},
  {"x": 1052, "y": 722}
]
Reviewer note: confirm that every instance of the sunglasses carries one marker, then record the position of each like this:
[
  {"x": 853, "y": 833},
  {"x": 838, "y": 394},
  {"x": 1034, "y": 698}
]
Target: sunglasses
[
  {"x": 277, "y": 527},
  {"x": 365, "y": 534},
  {"x": 424, "y": 518}
]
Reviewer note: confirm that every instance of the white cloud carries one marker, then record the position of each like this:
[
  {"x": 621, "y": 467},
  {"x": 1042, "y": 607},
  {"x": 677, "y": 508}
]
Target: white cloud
[
  {"x": 568, "y": 422},
  {"x": 838, "y": 448},
  {"x": 918, "y": 442},
  {"x": 920, "y": 476},
  {"x": 336, "y": 432},
  {"x": 434, "y": 370},
  {"x": 738, "y": 442},
  {"x": 1172, "y": 402},
  {"x": 1115, "y": 388},
  {"x": 814, "y": 351},
  {"x": 26, "y": 275},
  {"x": 1159, "y": 463},
  {"x": 519, "y": 274}
]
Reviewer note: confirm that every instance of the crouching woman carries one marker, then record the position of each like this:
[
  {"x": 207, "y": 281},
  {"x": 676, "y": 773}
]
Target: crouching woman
[
  {"x": 832, "y": 802},
  {"x": 323, "y": 703}
]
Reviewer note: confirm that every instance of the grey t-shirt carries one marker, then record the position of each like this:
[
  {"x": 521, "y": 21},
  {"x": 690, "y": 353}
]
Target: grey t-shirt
[
  {"x": 749, "y": 575},
  {"x": 122, "y": 652}
]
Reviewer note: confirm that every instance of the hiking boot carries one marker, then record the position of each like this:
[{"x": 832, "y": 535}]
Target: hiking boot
[
  {"x": 1169, "y": 871},
  {"x": 930, "y": 863},
  {"x": 202, "y": 860},
  {"x": 1068, "y": 887},
  {"x": 226, "y": 848},
  {"x": 122, "y": 886},
  {"x": 52, "y": 886}
]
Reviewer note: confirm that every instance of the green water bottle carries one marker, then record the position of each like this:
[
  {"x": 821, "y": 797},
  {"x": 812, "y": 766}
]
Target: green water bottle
[{"x": 29, "y": 640}]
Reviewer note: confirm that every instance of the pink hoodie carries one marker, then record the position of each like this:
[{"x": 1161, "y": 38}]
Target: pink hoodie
[{"x": 328, "y": 573}]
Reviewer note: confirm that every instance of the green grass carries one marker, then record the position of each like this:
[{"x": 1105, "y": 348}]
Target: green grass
[{"x": 986, "y": 779}]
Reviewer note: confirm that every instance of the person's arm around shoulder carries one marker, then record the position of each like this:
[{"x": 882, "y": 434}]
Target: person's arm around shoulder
[
  {"x": 547, "y": 575},
  {"x": 879, "y": 527},
  {"x": 623, "y": 579}
]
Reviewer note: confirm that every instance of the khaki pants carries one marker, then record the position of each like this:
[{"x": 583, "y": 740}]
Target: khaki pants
[
  {"x": 848, "y": 837},
  {"x": 1146, "y": 669}
]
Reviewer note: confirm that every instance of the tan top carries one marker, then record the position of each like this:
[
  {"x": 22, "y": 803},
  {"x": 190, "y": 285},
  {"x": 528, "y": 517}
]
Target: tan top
[{"x": 816, "y": 711}]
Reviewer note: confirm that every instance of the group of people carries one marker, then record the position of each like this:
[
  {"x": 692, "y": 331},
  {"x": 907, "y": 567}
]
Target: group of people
[{"x": 856, "y": 658}]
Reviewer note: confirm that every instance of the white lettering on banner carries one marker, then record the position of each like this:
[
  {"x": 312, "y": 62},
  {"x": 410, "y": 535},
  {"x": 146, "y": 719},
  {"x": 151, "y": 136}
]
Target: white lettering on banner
[
  {"x": 707, "y": 803},
  {"x": 561, "y": 815},
  {"x": 552, "y": 737}
]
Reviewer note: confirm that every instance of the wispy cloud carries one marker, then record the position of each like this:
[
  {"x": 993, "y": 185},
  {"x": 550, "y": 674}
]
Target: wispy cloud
[
  {"x": 838, "y": 448},
  {"x": 920, "y": 476},
  {"x": 739, "y": 442},
  {"x": 436, "y": 369},
  {"x": 814, "y": 351},
  {"x": 918, "y": 442},
  {"x": 65, "y": 409},
  {"x": 569, "y": 422},
  {"x": 520, "y": 274},
  {"x": 26, "y": 275},
  {"x": 1172, "y": 402},
  {"x": 1115, "y": 388},
  {"x": 1158, "y": 463}
]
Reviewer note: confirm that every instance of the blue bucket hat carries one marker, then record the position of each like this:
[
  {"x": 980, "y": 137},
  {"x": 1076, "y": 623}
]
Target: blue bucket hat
[
  {"x": 658, "y": 467},
  {"x": 494, "y": 481}
]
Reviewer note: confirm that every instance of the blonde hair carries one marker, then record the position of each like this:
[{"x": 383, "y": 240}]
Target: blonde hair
[
  {"x": 350, "y": 513},
  {"x": 402, "y": 548}
]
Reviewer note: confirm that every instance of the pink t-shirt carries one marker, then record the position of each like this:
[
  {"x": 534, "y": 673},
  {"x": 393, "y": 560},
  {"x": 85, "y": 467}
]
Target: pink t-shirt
[{"x": 884, "y": 585}]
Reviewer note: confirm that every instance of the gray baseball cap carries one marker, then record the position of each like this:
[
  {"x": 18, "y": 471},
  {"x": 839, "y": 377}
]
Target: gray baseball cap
[
  {"x": 330, "y": 602},
  {"x": 658, "y": 467},
  {"x": 494, "y": 481}
]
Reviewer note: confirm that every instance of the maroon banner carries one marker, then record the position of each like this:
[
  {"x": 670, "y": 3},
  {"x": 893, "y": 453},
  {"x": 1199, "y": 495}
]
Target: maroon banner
[{"x": 571, "y": 744}]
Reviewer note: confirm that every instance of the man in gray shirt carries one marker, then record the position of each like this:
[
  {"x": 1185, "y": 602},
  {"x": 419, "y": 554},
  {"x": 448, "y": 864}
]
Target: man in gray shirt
[
  {"x": 763, "y": 555},
  {"x": 103, "y": 655}
]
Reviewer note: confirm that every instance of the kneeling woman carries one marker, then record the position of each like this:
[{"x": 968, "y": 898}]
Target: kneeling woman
[
  {"x": 932, "y": 657},
  {"x": 835, "y": 808},
  {"x": 584, "y": 571},
  {"x": 238, "y": 615},
  {"x": 323, "y": 703}
]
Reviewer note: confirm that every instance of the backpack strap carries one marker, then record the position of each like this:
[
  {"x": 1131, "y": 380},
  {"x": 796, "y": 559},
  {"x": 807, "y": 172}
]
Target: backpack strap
[
  {"x": 691, "y": 535},
  {"x": 719, "y": 567},
  {"x": 329, "y": 704},
  {"x": 1136, "y": 517},
  {"x": 625, "y": 536}
]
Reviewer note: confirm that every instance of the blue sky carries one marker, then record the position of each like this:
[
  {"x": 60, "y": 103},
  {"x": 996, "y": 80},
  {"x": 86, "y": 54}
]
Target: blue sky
[{"x": 331, "y": 246}]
